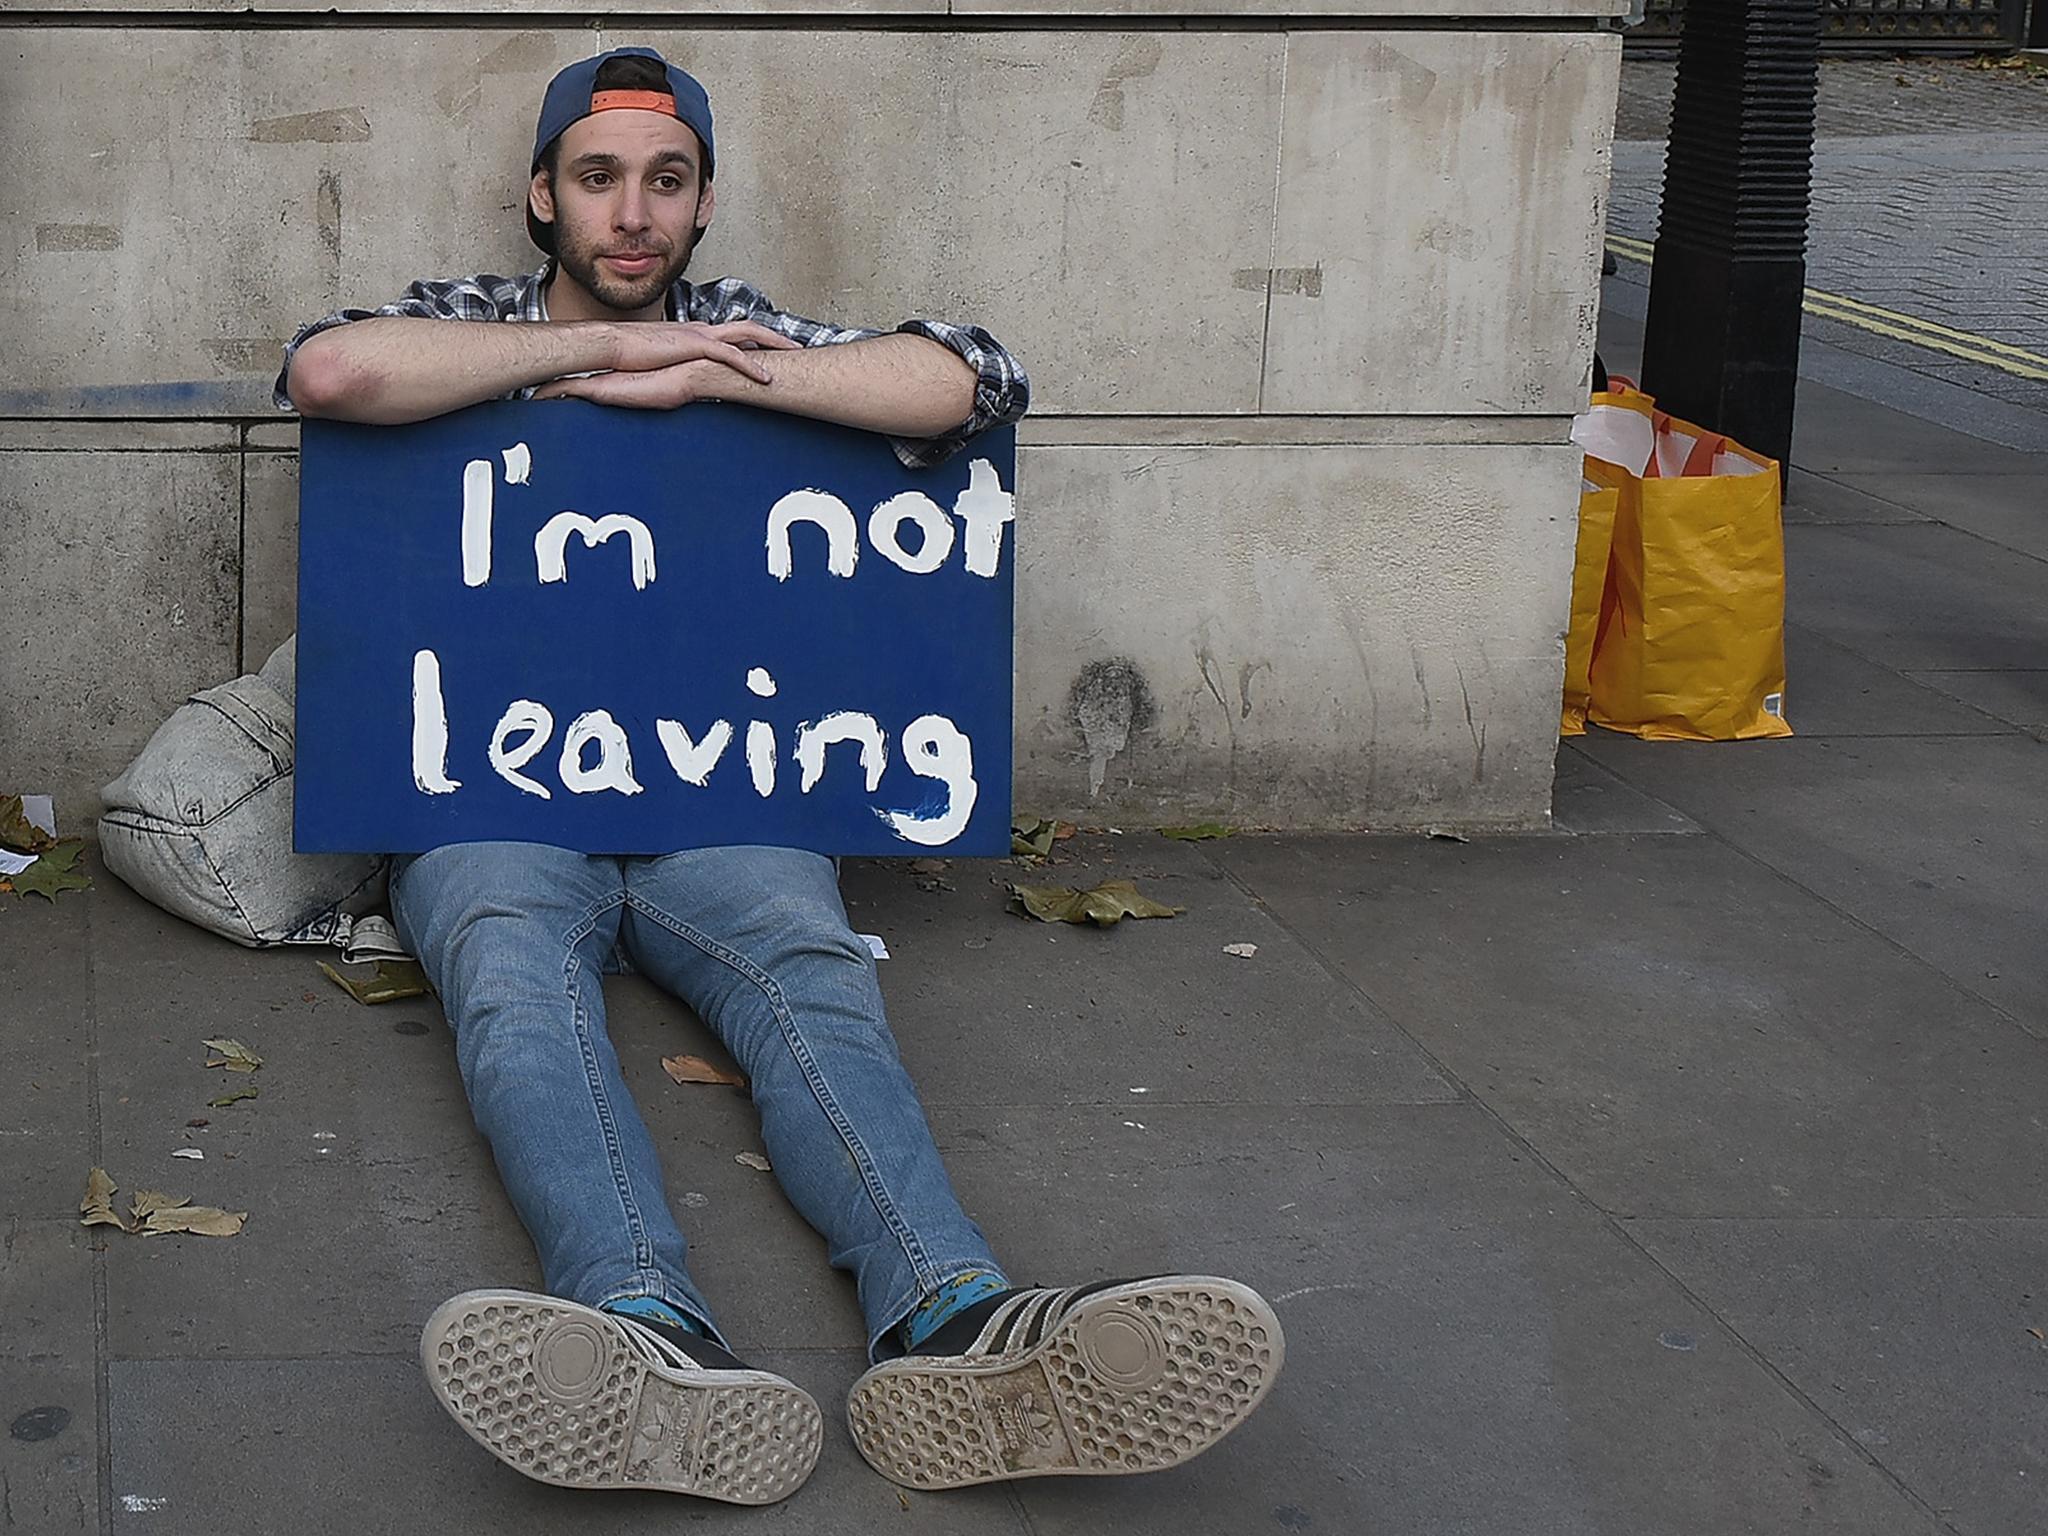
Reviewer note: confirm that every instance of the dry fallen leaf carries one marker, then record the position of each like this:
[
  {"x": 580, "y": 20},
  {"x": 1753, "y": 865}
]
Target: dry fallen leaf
[
  {"x": 2037, "y": 1333},
  {"x": 1110, "y": 902},
  {"x": 930, "y": 866},
  {"x": 1242, "y": 951},
  {"x": 751, "y": 1160},
  {"x": 97, "y": 1206},
  {"x": 393, "y": 979},
  {"x": 199, "y": 1220},
  {"x": 233, "y": 1055},
  {"x": 148, "y": 1202},
  {"x": 1033, "y": 839},
  {"x": 695, "y": 1069},
  {"x": 233, "y": 1096}
]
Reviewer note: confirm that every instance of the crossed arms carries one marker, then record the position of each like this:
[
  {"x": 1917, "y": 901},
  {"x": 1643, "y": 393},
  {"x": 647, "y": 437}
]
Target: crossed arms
[
  {"x": 929, "y": 386},
  {"x": 397, "y": 368}
]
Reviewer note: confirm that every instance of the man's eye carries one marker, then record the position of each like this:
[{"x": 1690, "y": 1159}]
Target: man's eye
[
  {"x": 668, "y": 183},
  {"x": 596, "y": 179}
]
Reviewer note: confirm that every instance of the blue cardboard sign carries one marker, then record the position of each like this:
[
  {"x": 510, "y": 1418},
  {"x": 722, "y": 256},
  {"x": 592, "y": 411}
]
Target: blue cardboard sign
[{"x": 627, "y": 631}]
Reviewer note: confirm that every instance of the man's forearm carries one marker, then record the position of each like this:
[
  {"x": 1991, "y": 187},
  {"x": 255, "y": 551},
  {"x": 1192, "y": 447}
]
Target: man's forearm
[
  {"x": 902, "y": 385},
  {"x": 395, "y": 369}
]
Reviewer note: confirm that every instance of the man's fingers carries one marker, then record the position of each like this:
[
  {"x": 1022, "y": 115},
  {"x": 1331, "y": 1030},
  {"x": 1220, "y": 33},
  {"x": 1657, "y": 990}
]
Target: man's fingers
[
  {"x": 749, "y": 333},
  {"x": 738, "y": 361}
]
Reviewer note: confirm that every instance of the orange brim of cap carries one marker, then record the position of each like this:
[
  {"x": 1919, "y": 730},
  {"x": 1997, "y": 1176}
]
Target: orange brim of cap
[{"x": 634, "y": 101}]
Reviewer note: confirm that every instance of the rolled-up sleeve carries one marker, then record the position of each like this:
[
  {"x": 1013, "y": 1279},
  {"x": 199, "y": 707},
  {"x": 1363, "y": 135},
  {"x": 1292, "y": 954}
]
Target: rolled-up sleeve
[{"x": 1002, "y": 391}]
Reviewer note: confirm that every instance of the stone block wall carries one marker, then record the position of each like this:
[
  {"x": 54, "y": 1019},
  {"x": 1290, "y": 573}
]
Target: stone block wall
[{"x": 1307, "y": 296}]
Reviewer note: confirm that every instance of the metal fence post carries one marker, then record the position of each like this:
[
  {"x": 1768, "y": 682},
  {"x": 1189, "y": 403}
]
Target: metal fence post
[{"x": 1721, "y": 345}]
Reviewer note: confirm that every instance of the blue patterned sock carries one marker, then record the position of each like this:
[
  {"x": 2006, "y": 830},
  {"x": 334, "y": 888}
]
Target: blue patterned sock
[
  {"x": 652, "y": 1309},
  {"x": 963, "y": 1291}
]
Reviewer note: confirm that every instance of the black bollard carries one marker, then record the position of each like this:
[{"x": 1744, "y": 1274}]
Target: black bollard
[{"x": 1721, "y": 346}]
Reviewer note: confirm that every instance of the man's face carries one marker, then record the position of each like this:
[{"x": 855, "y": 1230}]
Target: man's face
[{"x": 627, "y": 200}]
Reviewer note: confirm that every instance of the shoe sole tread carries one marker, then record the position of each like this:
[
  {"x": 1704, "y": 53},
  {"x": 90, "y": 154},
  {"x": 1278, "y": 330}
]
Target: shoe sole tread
[
  {"x": 1137, "y": 1378},
  {"x": 553, "y": 1390}
]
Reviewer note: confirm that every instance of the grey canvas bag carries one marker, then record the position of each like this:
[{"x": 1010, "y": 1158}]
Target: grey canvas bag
[{"x": 201, "y": 824}]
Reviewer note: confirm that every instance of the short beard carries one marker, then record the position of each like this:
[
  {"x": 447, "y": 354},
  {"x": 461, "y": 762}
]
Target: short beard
[{"x": 578, "y": 257}]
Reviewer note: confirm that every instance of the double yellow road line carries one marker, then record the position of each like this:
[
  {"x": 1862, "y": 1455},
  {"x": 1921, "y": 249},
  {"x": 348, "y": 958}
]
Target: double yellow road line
[{"x": 1982, "y": 350}]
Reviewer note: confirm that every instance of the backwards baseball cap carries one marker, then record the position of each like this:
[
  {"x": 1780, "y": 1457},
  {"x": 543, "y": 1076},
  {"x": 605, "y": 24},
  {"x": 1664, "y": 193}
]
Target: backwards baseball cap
[{"x": 573, "y": 95}]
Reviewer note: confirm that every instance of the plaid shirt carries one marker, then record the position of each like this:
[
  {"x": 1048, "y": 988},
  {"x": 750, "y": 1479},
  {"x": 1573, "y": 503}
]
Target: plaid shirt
[{"x": 1001, "y": 394}]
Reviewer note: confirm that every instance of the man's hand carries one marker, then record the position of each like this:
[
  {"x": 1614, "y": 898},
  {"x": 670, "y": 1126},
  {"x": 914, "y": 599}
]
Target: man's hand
[
  {"x": 906, "y": 386},
  {"x": 647, "y": 373},
  {"x": 659, "y": 389},
  {"x": 661, "y": 345}
]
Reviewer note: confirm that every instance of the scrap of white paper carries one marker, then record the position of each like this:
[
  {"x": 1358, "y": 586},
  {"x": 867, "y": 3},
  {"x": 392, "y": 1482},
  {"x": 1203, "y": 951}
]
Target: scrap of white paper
[
  {"x": 875, "y": 946},
  {"x": 41, "y": 813}
]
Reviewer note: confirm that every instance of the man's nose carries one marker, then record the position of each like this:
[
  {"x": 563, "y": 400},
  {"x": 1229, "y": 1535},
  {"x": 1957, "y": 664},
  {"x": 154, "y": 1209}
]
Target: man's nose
[{"x": 632, "y": 211}]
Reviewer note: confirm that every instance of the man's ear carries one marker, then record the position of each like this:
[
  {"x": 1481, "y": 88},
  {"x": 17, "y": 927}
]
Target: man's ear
[
  {"x": 706, "y": 199},
  {"x": 540, "y": 194}
]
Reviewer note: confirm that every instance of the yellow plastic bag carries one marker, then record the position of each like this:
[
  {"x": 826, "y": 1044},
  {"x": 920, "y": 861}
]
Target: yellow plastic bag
[
  {"x": 1618, "y": 428},
  {"x": 1691, "y": 644}
]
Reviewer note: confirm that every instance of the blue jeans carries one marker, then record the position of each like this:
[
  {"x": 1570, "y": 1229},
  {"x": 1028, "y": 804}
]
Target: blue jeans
[{"x": 515, "y": 937}]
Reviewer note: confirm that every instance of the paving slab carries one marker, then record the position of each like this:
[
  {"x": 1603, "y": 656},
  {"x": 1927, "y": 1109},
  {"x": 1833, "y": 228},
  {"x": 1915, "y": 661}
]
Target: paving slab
[
  {"x": 372, "y": 1454},
  {"x": 1919, "y": 598},
  {"x": 1471, "y": 1348},
  {"x": 2009, "y": 509},
  {"x": 1913, "y": 1335},
  {"x": 2019, "y": 698},
  {"x": 45, "y": 1120},
  {"x": 49, "y": 1457},
  {"x": 991, "y": 1007},
  {"x": 1677, "y": 1028},
  {"x": 1813, "y": 498},
  {"x": 370, "y": 1195},
  {"x": 1832, "y": 691},
  {"x": 1935, "y": 842},
  {"x": 49, "y": 1394},
  {"x": 1590, "y": 799}
]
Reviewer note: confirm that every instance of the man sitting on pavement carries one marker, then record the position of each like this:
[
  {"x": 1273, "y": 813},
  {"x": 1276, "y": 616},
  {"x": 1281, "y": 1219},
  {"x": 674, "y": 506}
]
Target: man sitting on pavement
[{"x": 619, "y": 1377}]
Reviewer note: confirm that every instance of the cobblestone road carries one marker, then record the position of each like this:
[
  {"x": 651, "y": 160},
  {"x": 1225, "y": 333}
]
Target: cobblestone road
[{"x": 1930, "y": 199}]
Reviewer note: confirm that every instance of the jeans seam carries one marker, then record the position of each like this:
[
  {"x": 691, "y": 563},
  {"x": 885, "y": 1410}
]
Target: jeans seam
[
  {"x": 885, "y": 1206},
  {"x": 629, "y": 1208}
]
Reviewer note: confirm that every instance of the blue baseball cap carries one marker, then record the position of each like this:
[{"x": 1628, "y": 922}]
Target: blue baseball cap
[{"x": 573, "y": 95}]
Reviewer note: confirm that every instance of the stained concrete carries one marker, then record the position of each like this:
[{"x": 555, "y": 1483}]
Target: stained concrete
[
  {"x": 1501, "y": 157},
  {"x": 1323, "y": 635},
  {"x": 49, "y": 1461},
  {"x": 119, "y": 596}
]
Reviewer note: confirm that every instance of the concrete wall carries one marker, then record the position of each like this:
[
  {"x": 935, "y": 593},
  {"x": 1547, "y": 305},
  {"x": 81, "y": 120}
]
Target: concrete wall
[{"x": 1307, "y": 297}]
